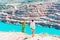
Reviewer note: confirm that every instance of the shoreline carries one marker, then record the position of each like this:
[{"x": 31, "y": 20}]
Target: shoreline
[{"x": 23, "y": 36}]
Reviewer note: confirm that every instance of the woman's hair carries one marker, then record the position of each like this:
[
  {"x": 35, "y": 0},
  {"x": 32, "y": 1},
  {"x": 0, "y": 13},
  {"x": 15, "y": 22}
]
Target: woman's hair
[{"x": 32, "y": 20}]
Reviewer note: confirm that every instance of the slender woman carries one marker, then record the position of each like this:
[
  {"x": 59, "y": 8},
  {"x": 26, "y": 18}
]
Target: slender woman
[
  {"x": 32, "y": 25},
  {"x": 23, "y": 26}
]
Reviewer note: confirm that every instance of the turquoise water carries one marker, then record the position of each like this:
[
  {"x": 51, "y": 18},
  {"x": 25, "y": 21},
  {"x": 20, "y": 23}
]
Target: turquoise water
[{"x": 18, "y": 28}]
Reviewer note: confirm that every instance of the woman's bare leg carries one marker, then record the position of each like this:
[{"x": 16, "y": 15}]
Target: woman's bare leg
[{"x": 32, "y": 32}]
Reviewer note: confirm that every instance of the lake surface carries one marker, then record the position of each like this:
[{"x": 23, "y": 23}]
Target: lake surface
[{"x": 18, "y": 28}]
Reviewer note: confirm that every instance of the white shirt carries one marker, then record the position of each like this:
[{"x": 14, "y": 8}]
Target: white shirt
[{"x": 32, "y": 25}]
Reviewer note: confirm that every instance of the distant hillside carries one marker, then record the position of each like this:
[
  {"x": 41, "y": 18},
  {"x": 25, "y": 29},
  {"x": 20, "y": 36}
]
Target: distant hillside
[{"x": 25, "y": 1}]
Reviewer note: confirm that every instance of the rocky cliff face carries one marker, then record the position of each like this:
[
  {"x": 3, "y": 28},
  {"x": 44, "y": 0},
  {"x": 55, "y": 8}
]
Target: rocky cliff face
[{"x": 48, "y": 12}]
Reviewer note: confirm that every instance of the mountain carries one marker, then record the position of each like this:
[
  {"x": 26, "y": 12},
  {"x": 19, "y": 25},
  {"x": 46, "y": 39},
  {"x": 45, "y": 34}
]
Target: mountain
[
  {"x": 25, "y": 1},
  {"x": 49, "y": 12}
]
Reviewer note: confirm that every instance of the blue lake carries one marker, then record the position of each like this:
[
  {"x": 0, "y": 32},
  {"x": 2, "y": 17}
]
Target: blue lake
[{"x": 18, "y": 28}]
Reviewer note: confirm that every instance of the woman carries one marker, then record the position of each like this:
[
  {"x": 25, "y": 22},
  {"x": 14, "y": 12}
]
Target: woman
[
  {"x": 32, "y": 25},
  {"x": 23, "y": 26}
]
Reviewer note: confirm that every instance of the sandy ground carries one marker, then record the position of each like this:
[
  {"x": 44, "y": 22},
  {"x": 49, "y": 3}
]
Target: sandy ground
[{"x": 23, "y": 36}]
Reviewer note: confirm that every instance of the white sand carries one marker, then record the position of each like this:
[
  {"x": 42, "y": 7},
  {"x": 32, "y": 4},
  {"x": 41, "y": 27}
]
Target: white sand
[{"x": 22, "y": 36}]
